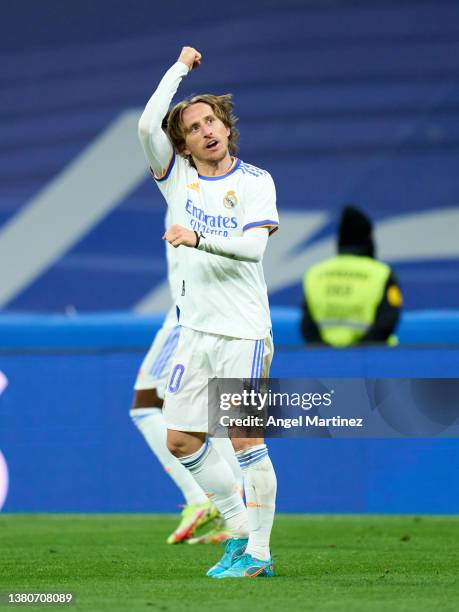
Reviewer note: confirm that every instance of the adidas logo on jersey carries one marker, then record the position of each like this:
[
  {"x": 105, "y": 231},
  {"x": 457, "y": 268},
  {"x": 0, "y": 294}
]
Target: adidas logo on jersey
[{"x": 194, "y": 186}]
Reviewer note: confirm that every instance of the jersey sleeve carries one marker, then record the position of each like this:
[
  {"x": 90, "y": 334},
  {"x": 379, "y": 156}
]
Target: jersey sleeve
[
  {"x": 155, "y": 143},
  {"x": 249, "y": 247},
  {"x": 173, "y": 177},
  {"x": 167, "y": 171},
  {"x": 260, "y": 204}
]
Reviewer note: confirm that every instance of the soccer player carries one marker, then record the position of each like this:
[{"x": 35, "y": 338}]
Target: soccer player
[
  {"x": 146, "y": 413},
  {"x": 223, "y": 211}
]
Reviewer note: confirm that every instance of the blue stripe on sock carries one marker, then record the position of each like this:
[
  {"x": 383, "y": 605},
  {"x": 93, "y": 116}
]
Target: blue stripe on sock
[
  {"x": 249, "y": 457},
  {"x": 195, "y": 462},
  {"x": 252, "y": 461},
  {"x": 200, "y": 456}
]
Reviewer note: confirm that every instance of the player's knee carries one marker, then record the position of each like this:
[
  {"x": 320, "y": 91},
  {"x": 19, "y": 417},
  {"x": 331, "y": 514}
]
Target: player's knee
[
  {"x": 146, "y": 398},
  {"x": 178, "y": 450},
  {"x": 182, "y": 444},
  {"x": 241, "y": 444},
  {"x": 177, "y": 444}
]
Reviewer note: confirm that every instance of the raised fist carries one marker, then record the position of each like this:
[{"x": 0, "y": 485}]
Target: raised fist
[{"x": 190, "y": 57}]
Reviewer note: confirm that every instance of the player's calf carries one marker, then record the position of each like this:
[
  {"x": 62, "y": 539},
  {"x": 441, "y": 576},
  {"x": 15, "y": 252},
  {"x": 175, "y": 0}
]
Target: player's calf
[
  {"x": 214, "y": 476},
  {"x": 260, "y": 491}
]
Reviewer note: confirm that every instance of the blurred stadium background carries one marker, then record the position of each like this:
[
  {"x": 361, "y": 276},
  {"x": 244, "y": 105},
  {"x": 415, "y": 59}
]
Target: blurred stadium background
[{"x": 340, "y": 101}]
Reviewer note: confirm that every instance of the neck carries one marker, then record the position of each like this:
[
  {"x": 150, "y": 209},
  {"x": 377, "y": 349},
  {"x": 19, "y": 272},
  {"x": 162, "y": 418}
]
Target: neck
[{"x": 211, "y": 168}]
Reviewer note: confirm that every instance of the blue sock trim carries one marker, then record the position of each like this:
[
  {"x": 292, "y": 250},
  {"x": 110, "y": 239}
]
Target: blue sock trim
[
  {"x": 251, "y": 450},
  {"x": 244, "y": 466},
  {"x": 243, "y": 462},
  {"x": 193, "y": 461},
  {"x": 250, "y": 457}
]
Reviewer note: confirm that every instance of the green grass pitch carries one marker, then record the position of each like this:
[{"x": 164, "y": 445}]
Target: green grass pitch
[{"x": 121, "y": 562}]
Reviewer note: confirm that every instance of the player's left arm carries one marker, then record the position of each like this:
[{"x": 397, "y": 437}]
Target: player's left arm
[
  {"x": 259, "y": 221},
  {"x": 249, "y": 247}
]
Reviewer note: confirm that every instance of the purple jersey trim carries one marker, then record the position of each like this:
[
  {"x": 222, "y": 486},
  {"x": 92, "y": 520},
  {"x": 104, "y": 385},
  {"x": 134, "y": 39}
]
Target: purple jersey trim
[
  {"x": 168, "y": 171},
  {"x": 266, "y": 223}
]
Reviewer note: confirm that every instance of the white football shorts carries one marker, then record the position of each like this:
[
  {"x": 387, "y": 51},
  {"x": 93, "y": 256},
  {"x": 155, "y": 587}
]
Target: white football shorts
[
  {"x": 155, "y": 368},
  {"x": 200, "y": 356}
]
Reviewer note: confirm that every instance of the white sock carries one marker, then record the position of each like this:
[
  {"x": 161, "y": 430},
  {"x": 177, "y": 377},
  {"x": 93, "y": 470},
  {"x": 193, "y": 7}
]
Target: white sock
[
  {"x": 226, "y": 450},
  {"x": 151, "y": 424},
  {"x": 215, "y": 477},
  {"x": 260, "y": 494}
]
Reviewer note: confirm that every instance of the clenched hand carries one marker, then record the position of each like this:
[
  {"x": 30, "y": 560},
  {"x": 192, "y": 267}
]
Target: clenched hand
[
  {"x": 177, "y": 235},
  {"x": 190, "y": 57}
]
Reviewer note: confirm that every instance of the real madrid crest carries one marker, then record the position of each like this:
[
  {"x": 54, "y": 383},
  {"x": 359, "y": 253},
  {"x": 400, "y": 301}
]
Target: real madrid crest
[{"x": 230, "y": 200}]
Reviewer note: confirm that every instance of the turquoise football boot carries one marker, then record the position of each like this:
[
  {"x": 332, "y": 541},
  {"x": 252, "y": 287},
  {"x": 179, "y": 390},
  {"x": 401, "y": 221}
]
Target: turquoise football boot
[
  {"x": 234, "y": 549},
  {"x": 249, "y": 567}
]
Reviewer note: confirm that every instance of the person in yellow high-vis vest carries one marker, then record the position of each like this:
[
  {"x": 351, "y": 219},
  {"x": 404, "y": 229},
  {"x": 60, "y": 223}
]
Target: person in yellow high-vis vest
[{"x": 351, "y": 298}]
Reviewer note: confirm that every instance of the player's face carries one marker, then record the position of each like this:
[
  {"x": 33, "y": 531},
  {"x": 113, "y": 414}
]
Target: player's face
[{"x": 206, "y": 136}]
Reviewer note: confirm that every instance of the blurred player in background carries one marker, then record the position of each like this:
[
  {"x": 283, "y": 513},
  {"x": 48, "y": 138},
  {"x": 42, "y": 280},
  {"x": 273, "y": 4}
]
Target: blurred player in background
[
  {"x": 3, "y": 465},
  {"x": 3, "y": 382},
  {"x": 351, "y": 298},
  {"x": 223, "y": 211},
  {"x": 147, "y": 415}
]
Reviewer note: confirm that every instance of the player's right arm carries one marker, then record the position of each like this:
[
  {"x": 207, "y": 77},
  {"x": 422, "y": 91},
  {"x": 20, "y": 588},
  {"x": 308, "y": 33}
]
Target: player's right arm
[{"x": 155, "y": 143}]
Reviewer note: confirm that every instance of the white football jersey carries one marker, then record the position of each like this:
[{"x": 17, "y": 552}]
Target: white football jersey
[{"x": 217, "y": 294}]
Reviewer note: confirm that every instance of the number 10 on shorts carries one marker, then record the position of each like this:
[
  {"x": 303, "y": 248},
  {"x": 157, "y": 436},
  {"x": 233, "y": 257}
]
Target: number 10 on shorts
[{"x": 176, "y": 378}]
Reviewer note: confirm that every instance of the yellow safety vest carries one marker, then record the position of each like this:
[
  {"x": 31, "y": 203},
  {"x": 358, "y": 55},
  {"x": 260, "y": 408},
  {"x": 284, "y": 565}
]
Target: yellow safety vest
[{"x": 343, "y": 294}]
